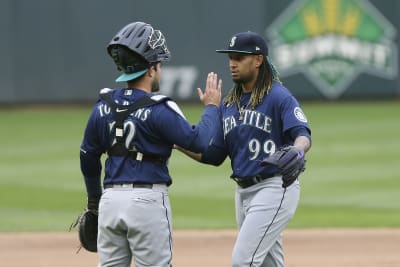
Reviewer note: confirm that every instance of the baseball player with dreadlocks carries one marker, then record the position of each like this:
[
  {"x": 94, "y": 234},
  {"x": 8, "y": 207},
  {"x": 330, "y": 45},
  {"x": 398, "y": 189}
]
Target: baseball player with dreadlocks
[
  {"x": 137, "y": 129},
  {"x": 265, "y": 133}
]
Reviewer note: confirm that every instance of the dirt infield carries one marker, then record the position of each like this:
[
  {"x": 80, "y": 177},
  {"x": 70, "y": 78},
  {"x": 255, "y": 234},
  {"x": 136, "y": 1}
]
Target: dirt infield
[{"x": 303, "y": 248}]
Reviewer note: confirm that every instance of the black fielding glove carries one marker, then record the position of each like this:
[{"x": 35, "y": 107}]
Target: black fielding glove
[
  {"x": 290, "y": 161},
  {"x": 87, "y": 223}
]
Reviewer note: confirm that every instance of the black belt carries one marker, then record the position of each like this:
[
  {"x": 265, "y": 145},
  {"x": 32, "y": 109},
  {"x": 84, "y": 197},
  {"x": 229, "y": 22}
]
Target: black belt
[
  {"x": 129, "y": 185},
  {"x": 249, "y": 181},
  {"x": 145, "y": 157}
]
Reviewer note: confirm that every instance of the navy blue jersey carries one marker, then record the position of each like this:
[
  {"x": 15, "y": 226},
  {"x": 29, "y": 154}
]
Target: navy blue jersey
[
  {"x": 249, "y": 137},
  {"x": 151, "y": 130}
]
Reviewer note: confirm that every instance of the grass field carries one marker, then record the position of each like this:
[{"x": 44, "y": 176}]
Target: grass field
[{"x": 352, "y": 176}]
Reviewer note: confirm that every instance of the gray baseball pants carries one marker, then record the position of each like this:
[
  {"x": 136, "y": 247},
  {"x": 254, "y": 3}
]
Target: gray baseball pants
[
  {"x": 262, "y": 213},
  {"x": 135, "y": 223}
]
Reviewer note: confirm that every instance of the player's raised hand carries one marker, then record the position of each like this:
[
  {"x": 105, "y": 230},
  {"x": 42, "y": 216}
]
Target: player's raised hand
[{"x": 212, "y": 92}]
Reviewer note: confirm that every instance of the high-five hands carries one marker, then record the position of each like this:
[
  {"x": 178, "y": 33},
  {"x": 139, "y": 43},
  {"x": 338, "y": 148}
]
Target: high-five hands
[{"x": 212, "y": 92}]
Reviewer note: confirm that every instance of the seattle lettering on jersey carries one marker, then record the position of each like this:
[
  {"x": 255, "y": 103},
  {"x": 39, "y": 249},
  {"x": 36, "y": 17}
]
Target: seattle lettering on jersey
[{"x": 252, "y": 118}]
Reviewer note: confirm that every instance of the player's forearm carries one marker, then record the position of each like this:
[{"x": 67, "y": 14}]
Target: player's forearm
[
  {"x": 93, "y": 187},
  {"x": 303, "y": 143},
  {"x": 195, "y": 156},
  {"x": 91, "y": 170},
  {"x": 198, "y": 139}
]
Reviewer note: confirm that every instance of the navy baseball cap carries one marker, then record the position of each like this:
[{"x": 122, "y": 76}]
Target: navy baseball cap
[{"x": 247, "y": 43}]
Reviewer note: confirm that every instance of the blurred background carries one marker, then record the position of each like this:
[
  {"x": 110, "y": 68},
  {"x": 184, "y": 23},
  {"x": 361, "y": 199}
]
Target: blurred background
[
  {"x": 55, "y": 51},
  {"x": 338, "y": 57}
]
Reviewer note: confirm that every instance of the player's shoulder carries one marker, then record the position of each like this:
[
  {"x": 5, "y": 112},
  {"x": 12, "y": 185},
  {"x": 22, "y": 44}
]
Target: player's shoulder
[
  {"x": 168, "y": 104},
  {"x": 104, "y": 93},
  {"x": 159, "y": 98},
  {"x": 279, "y": 93},
  {"x": 278, "y": 90},
  {"x": 106, "y": 90}
]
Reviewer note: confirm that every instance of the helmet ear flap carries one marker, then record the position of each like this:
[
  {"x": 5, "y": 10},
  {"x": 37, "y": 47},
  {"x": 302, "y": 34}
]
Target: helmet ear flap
[
  {"x": 126, "y": 60},
  {"x": 113, "y": 51}
]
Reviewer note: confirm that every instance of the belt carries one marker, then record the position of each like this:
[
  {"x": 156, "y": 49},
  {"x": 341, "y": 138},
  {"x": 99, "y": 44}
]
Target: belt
[
  {"x": 145, "y": 157},
  {"x": 129, "y": 185},
  {"x": 249, "y": 181}
]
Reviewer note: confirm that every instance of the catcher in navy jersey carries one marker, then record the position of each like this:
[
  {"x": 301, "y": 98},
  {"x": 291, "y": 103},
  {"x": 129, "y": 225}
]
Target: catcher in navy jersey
[
  {"x": 265, "y": 133},
  {"x": 137, "y": 129}
]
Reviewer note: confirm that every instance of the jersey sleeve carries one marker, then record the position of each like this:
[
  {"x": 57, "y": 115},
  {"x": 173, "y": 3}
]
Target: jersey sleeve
[
  {"x": 90, "y": 154},
  {"x": 292, "y": 115},
  {"x": 173, "y": 127},
  {"x": 216, "y": 152}
]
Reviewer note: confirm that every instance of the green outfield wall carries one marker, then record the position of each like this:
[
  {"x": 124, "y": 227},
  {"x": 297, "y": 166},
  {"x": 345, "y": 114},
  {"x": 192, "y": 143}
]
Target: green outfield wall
[{"x": 54, "y": 51}]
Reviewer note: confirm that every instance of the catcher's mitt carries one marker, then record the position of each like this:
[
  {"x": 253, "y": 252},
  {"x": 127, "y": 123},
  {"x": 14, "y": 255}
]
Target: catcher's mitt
[
  {"x": 290, "y": 161},
  {"x": 87, "y": 227}
]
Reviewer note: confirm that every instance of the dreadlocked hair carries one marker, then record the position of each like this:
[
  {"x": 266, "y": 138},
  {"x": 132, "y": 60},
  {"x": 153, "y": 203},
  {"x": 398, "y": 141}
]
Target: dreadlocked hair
[{"x": 266, "y": 76}]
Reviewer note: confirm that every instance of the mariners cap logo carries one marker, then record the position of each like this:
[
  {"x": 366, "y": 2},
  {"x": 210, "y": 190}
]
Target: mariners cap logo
[{"x": 233, "y": 40}]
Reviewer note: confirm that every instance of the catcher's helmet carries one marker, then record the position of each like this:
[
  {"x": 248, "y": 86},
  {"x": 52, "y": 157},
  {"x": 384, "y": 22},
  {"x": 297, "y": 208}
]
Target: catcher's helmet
[{"x": 135, "y": 47}]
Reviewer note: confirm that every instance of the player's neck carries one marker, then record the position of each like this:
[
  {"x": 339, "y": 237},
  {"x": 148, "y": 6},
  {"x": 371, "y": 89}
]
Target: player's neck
[
  {"x": 248, "y": 87},
  {"x": 141, "y": 85}
]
